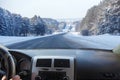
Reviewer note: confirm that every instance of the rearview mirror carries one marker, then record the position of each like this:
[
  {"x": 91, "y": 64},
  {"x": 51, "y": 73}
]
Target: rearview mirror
[{"x": 116, "y": 50}]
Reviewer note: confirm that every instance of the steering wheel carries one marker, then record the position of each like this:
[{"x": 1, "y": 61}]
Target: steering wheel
[{"x": 9, "y": 62}]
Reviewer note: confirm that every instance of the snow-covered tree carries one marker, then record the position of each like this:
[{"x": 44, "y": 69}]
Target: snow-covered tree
[{"x": 16, "y": 25}]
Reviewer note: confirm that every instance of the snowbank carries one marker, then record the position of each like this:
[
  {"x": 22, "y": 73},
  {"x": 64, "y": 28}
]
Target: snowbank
[
  {"x": 7, "y": 40},
  {"x": 101, "y": 41},
  {"x": 74, "y": 33}
]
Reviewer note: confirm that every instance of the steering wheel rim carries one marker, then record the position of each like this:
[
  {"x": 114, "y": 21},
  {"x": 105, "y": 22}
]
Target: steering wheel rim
[{"x": 9, "y": 62}]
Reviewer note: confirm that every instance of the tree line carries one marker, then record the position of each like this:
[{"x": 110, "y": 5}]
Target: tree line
[{"x": 16, "y": 25}]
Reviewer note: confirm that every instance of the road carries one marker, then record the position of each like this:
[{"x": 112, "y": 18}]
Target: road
[{"x": 51, "y": 42}]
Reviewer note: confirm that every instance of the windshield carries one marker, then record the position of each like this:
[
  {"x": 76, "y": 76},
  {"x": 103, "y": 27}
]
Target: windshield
[{"x": 60, "y": 24}]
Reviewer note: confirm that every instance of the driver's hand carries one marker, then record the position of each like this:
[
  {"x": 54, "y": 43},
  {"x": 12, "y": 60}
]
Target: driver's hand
[{"x": 16, "y": 77}]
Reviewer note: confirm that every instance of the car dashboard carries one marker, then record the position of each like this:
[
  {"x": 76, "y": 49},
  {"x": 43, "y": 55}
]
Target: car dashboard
[{"x": 66, "y": 64}]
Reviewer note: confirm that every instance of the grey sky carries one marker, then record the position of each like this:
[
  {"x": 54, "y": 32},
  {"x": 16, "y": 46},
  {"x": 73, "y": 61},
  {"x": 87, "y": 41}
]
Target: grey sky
[{"x": 49, "y": 8}]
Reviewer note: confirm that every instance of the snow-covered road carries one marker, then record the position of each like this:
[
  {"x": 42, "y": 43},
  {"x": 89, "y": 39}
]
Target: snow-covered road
[{"x": 71, "y": 40}]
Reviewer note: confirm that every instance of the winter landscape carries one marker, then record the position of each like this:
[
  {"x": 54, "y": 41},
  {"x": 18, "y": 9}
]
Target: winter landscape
[{"x": 100, "y": 29}]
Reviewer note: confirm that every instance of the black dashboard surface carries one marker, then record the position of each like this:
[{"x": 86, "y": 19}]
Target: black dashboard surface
[{"x": 89, "y": 64}]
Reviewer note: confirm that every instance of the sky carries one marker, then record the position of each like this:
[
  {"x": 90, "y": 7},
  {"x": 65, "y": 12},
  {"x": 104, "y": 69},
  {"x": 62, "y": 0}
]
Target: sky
[{"x": 57, "y": 9}]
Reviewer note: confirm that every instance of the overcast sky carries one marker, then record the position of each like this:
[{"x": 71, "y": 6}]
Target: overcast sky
[{"x": 56, "y": 9}]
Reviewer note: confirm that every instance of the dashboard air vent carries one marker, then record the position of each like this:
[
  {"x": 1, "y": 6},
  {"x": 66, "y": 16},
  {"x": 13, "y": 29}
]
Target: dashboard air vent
[
  {"x": 65, "y": 63},
  {"x": 43, "y": 63}
]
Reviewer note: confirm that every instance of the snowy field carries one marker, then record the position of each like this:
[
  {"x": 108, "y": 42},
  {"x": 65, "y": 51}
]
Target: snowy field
[
  {"x": 105, "y": 41},
  {"x": 7, "y": 40}
]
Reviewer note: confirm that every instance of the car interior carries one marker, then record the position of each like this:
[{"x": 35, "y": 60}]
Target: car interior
[
  {"x": 60, "y": 39},
  {"x": 60, "y": 64}
]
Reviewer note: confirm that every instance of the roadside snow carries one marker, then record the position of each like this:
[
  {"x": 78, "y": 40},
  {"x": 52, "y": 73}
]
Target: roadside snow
[
  {"x": 105, "y": 41},
  {"x": 102, "y": 41},
  {"x": 7, "y": 40}
]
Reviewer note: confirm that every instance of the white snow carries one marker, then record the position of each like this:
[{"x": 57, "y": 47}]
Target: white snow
[
  {"x": 105, "y": 41},
  {"x": 74, "y": 33},
  {"x": 8, "y": 40},
  {"x": 101, "y": 41}
]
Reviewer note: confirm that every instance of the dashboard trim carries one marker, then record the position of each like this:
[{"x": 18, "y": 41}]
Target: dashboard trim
[{"x": 69, "y": 71}]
